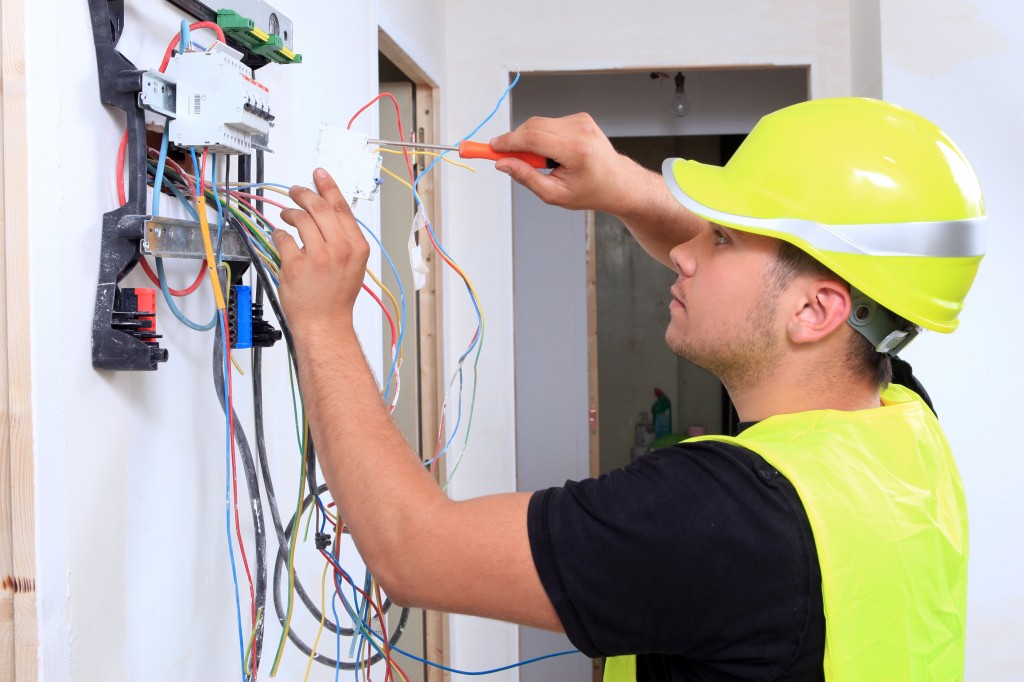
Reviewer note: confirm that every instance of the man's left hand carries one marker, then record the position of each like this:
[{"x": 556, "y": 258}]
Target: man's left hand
[{"x": 320, "y": 281}]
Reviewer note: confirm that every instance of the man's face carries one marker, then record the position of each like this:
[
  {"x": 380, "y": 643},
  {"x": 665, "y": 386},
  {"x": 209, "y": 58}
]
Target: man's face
[{"x": 723, "y": 308}]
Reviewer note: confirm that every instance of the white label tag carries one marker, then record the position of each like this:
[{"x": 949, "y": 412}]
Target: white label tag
[{"x": 419, "y": 267}]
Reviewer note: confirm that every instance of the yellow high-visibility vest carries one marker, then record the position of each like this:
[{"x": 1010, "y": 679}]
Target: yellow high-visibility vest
[{"x": 886, "y": 505}]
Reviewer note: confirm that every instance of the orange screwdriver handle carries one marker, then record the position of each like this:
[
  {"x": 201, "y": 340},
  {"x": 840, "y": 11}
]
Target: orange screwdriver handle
[{"x": 480, "y": 150}]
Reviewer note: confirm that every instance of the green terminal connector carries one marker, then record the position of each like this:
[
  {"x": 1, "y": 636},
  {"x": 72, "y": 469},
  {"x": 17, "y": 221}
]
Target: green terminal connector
[{"x": 256, "y": 40}]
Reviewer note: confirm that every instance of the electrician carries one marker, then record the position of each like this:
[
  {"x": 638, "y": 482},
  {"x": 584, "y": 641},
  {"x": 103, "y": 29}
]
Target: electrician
[{"x": 829, "y": 539}]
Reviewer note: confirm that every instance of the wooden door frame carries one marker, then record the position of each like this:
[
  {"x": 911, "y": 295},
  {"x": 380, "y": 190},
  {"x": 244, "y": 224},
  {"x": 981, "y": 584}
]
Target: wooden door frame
[
  {"x": 427, "y": 100},
  {"x": 19, "y": 640}
]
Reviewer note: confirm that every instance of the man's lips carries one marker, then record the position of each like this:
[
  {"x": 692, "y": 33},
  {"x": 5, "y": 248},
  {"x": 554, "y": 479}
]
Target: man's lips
[{"x": 677, "y": 298}]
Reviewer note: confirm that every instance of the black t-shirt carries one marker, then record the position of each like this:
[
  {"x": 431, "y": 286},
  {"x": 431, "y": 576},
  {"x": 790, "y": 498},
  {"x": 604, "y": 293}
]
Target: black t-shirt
[{"x": 698, "y": 558}]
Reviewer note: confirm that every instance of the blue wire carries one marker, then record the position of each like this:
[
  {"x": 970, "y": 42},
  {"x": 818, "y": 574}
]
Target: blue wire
[
  {"x": 227, "y": 495},
  {"x": 158, "y": 181},
  {"x": 476, "y": 672},
  {"x": 401, "y": 295},
  {"x": 186, "y": 35},
  {"x": 363, "y": 630},
  {"x": 337, "y": 637},
  {"x": 262, "y": 184},
  {"x": 476, "y": 308}
]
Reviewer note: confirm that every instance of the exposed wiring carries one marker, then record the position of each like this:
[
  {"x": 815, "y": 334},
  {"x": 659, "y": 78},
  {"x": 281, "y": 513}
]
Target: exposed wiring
[
  {"x": 227, "y": 507},
  {"x": 423, "y": 152},
  {"x": 161, "y": 275}
]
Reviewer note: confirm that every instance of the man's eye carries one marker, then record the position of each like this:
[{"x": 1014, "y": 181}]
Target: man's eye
[{"x": 720, "y": 238}]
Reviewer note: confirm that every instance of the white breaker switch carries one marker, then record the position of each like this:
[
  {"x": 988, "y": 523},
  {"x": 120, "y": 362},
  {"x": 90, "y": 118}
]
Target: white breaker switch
[
  {"x": 219, "y": 104},
  {"x": 343, "y": 153}
]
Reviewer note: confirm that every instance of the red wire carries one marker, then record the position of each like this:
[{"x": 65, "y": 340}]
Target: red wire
[
  {"x": 264, "y": 199},
  {"x": 398, "y": 116},
  {"x": 122, "y": 148},
  {"x": 376, "y": 609},
  {"x": 391, "y": 321},
  {"x": 384, "y": 637},
  {"x": 177, "y": 38}
]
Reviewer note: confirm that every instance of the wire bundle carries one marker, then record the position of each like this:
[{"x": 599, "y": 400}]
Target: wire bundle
[{"x": 243, "y": 212}]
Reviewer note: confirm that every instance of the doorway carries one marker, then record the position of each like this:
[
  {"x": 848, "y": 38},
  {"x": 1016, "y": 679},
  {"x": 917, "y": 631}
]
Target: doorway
[
  {"x": 416, "y": 413},
  {"x": 579, "y": 389}
]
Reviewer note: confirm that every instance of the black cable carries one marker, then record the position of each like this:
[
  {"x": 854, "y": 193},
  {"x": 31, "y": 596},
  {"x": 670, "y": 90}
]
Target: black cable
[
  {"x": 265, "y": 288},
  {"x": 253, "y": 486},
  {"x": 393, "y": 638}
]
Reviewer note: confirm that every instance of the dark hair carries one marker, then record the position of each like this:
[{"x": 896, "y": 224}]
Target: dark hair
[{"x": 791, "y": 262}]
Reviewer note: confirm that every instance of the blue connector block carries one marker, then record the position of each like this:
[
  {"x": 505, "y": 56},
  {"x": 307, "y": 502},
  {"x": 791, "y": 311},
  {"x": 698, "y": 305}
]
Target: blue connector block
[{"x": 242, "y": 314}]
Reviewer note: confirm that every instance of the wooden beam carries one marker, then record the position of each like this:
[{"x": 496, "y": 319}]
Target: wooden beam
[
  {"x": 19, "y": 642},
  {"x": 431, "y": 342}
]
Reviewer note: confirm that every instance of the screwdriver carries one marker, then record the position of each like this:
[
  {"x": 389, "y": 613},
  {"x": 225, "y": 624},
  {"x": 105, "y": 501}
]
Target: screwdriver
[{"x": 476, "y": 150}]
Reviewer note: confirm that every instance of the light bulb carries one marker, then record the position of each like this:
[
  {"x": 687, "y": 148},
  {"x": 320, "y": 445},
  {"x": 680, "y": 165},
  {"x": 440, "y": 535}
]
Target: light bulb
[{"x": 680, "y": 102}]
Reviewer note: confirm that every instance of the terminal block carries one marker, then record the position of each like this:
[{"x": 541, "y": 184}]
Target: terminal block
[
  {"x": 246, "y": 326},
  {"x": 240, "y": 316},
  {"x": 218, "y": 103},
  {"x": 245, "y": 31},
  {"x": 134, "y": 316}
]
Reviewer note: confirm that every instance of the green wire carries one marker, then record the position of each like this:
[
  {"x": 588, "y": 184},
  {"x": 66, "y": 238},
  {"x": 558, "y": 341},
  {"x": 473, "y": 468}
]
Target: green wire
[
  {"x": 252, "y": 639},
  {"x": 291, "y": 557},
  {"x": 295, "y": 405}
]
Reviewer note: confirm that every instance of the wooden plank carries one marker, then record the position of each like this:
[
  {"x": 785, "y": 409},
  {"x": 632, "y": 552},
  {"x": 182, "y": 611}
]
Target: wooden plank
[
  {"x": 400, "y": 58},
  {"x": 429, "y": 313},
  {"x": 19, "y": 642},
  {"x": 431, "y": 344}
]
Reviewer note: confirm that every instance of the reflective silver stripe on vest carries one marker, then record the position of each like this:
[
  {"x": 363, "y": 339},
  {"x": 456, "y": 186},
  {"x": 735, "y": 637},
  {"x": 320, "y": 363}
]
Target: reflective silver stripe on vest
[{"x": 939, "y": 239}]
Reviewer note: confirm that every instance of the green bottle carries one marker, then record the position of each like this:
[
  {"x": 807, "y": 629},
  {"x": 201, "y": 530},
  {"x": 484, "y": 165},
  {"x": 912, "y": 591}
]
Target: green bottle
[{"x": 661, "y": 414}]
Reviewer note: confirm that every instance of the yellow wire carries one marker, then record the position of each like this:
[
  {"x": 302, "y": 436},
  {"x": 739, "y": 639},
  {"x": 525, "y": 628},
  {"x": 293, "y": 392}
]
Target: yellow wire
[
  {"x": 404, "y": 182},
  {"x": 323, "y": 615},
  {"x": 291, "y": 550},
  {"x": 235, "y": 363},
  {"x": 426, "y": 153},
  {"x": 204, "y": 224}
]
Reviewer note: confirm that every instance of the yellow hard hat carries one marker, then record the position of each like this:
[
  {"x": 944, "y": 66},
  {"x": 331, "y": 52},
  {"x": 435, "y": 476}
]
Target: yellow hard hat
[{"x": 876, "y": 193}]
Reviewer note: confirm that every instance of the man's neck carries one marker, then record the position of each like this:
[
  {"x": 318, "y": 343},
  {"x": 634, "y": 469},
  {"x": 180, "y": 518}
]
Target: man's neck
[{"x": 790, "y": 390}]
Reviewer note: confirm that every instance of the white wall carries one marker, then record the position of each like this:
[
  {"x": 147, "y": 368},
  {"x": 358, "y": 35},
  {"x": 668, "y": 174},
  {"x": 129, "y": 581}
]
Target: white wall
[
  {"x": 133, "y": 573},
  {"x": 960, "y": 63}
]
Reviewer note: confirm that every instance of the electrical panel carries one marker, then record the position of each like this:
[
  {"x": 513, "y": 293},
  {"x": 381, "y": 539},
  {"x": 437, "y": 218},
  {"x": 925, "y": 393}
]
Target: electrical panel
[{"x": 218, "y": 103}]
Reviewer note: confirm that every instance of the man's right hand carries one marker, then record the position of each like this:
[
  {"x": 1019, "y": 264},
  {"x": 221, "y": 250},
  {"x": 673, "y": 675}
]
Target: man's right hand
[{"x": 590, "y": 174}]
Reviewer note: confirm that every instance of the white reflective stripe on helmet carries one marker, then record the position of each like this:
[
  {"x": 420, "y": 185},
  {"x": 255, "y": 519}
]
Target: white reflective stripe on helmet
[{"x": 938, "y": 239}]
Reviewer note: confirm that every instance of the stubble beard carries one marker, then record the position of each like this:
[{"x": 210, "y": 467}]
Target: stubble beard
[{"x": 742, "y": 354}]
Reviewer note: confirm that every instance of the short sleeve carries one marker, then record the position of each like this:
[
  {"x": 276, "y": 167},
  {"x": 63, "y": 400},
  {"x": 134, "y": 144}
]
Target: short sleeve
[{"x": 682, "y": 552}]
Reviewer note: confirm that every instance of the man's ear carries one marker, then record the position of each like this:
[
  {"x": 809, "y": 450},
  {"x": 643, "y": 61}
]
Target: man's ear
[{"x": 822, "y": 306}]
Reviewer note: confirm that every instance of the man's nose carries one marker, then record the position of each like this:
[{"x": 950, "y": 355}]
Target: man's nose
[{"x": 683, "y": 257}]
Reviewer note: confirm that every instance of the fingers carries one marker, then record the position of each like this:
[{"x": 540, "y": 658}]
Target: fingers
[
  {"x": 548, "y": 188},
  {"x": 329, "y": 190},
  {"x": 324, "y": 217},
  {"x": 309, "y": 232},
  {"x": 286, "y": 245},
  {"x": 547, "y": 143}
]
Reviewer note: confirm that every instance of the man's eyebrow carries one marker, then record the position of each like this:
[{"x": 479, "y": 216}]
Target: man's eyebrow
[{"x": 729, "y": 232}]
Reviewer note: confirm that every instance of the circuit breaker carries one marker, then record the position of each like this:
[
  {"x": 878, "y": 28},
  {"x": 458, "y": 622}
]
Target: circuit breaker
[
  {"x": 344, "y": 154},
  {"x": 218, "y": 103}
]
